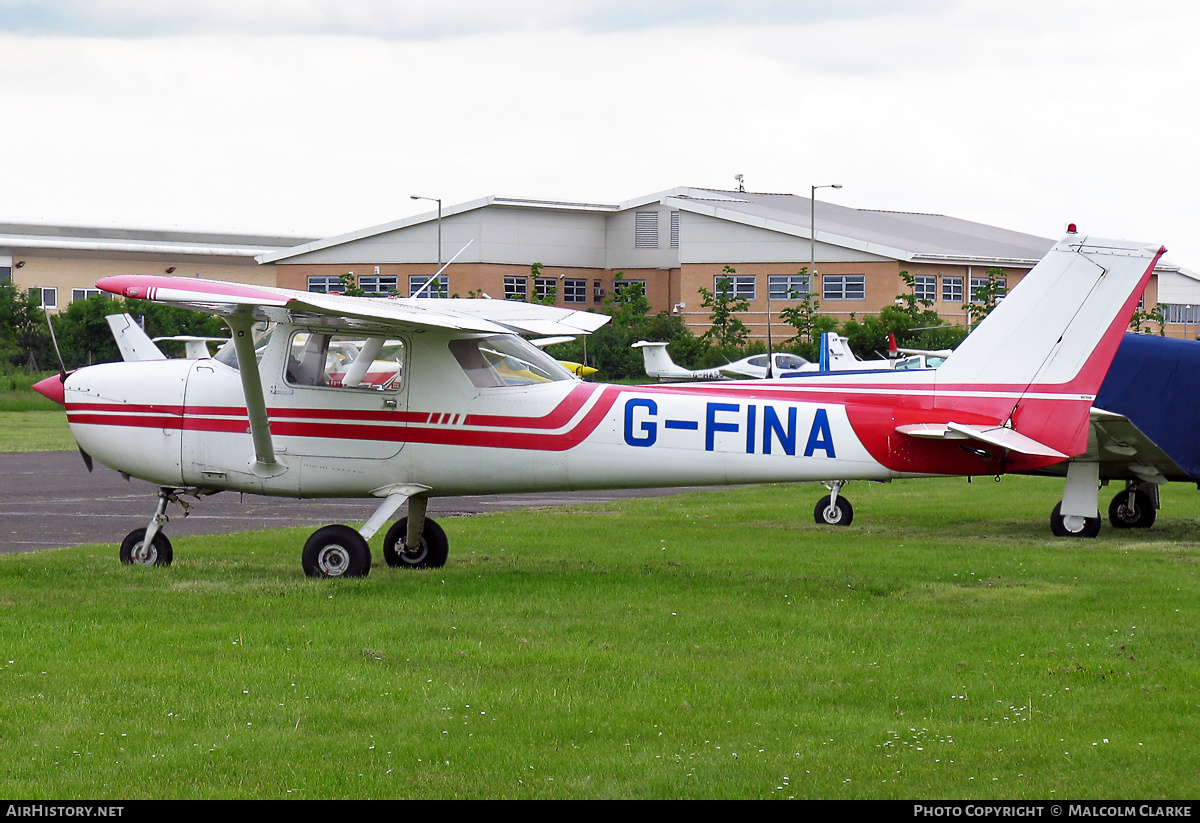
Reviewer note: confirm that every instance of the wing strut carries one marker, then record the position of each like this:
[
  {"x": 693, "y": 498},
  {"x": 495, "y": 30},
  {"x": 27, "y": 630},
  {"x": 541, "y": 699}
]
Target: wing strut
[{"x": 242, "y": 324}]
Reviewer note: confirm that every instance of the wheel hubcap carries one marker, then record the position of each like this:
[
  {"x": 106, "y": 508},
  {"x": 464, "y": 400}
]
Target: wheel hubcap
[
  {"x": 333, "y": 561},
  {"x": 415, "y": 554},
  {"x": 144, "y": 555},
  {"x": 1074, "y": 523}
]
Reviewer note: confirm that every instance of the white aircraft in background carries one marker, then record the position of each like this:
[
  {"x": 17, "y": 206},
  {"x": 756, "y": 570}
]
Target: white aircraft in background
[
  {"x": 835, "y": 356},
  {"x": 472, "y": 408},
  {"x": 659, "y": 365}
]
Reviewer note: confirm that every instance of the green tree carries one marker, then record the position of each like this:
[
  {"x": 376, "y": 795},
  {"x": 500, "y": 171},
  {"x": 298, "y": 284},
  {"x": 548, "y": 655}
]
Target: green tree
[
  {"x": 727, "y": 331},
  {"x": 83, "y": 334},
  {"x": 1139, "y": 323},
  {"x": 610, "y": 348},
  {"x": 807, "y": 322},
  {"x": 912, "y": 320},
  {"x": 24, "y": 339},
  {"x": 551, "y": 295},
  {"x": 348, "y": 285},
  {"x": 986, "y": 297}
]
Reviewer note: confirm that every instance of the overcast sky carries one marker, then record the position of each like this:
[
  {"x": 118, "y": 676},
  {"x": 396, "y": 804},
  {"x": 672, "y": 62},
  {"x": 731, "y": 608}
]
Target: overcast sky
[{"x": 316, "y": 117}]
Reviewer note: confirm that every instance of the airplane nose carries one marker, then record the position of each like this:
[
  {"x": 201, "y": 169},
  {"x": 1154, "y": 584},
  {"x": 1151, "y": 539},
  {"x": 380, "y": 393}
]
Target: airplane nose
[{"x": 52, "y": 389}]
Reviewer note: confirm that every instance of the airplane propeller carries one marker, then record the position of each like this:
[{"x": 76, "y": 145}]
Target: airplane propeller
[{"x": 62, "y": 378}]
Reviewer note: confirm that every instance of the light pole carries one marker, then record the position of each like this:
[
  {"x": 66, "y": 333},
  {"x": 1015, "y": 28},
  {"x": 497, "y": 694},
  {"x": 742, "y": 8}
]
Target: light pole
[
  {"x": 437, "y": 200},
  {"x": 812, "y": 232}
]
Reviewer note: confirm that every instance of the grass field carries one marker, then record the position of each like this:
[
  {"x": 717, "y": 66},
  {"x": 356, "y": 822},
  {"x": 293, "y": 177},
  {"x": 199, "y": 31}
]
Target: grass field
[
  {"x": 712, "y": 645},
  {"x": 28, "y": 421}
]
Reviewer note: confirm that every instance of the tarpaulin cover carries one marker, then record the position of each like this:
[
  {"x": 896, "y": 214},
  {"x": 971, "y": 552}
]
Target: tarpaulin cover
[{"x": 1155, "y": 382}]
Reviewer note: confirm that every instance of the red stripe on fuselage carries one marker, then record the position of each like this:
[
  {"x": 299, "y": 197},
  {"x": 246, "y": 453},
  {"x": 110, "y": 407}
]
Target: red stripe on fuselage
[{"x": 410, "y": 427}]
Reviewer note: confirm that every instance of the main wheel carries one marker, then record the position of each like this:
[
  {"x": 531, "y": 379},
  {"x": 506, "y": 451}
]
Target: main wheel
[
  {"x": 134, "y": 550},
  {"x": 431, "y": 553},
  {"x": 336, "y": 551},
  {"x": 1140, "y": 515},
  {"x": 840, "y": 514},
  {"x": 1069, "y": 526}
]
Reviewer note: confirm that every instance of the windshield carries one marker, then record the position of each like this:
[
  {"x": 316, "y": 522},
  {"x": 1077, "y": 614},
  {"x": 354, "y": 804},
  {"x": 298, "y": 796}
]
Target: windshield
[
  {"x": 505, "y": 360},
  {"x": 262, "y": 336}
]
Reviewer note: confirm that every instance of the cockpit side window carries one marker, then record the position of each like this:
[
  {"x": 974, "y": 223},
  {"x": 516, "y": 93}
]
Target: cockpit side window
[{"x": 345, "y": 361}]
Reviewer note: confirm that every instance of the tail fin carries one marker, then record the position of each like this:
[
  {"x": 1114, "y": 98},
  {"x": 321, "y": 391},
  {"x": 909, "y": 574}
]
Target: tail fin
[
  {"x": 134, "y": 343},
  {"x": 835, "y": 354},
  {"x": 658, "y": 363},
  {"x": 1044, "y": 351},
  {"x": 1062, "y": 324}
]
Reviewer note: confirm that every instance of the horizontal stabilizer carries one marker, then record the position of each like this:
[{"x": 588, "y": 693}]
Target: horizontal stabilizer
[{"x": 1000, "y": 436}]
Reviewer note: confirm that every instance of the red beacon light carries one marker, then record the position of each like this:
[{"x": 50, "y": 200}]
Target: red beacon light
[{"x": 1072, "y": 229}]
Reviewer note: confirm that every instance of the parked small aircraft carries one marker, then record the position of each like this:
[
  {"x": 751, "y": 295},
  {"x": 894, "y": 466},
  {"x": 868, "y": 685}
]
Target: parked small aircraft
[
  {"x": 835, "y": 355},
  {"x": 472, "y": 408},
  {"x": 659, "y": 365}
]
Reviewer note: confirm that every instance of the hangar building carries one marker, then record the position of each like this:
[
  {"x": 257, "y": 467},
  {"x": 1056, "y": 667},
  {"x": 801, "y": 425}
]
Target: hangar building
[{"x": 677, "y": 242}]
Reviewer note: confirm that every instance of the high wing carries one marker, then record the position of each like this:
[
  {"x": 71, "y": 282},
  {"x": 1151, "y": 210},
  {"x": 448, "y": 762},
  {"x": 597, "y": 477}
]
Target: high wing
[
  {"x": 484, "y": 316},
  {"x": 242, "y": 305}
]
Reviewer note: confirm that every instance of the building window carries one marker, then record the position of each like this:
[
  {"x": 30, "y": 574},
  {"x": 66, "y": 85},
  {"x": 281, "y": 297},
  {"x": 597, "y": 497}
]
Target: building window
[
  {"x": 545, "y": 288},
  {"x": 5, "y": 275},
  {"x": 378, "y": 285},
  {"x": 925, "y": 287},
  {"x": 516, "y": 287},
  {"x": 788, "y": 286},
  {"x": 438, "y": 288},
  {"x": 1179, "y": 313},
  {"x": 645, "y": 230},
  {"x": 47, "y": 297},
  {"x": 741, "y": 286},
  {"x": 83, "y": 294},
  {"x": 621, "y": 289},
  {"x": 952, "y": 289},
  {"x": 574, "y": 291},
  {"x": 674, "y": 229},
  {"x": 324, "y": 283},
  {"x": 844, "y": 287},
  {"x": 978, "y": 284}
]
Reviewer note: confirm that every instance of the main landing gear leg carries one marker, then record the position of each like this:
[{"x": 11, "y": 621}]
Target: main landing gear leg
[
  {"x": 149, "y": 546},
  {"x": 833, "y": 510},
  {"x": 1078, "y": 515}
]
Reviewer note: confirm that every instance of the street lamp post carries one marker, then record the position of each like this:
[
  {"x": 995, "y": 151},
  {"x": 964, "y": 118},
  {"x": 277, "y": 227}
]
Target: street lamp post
[{"x": 439, "y": 222}]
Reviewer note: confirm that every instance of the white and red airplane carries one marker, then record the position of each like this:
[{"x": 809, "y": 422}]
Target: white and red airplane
[{"x": 287, "y": 407}]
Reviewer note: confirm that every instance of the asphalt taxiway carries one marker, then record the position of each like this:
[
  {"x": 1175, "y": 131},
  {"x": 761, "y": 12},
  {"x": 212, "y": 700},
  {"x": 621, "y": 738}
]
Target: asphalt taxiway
[{"x": 49, "y": 500}]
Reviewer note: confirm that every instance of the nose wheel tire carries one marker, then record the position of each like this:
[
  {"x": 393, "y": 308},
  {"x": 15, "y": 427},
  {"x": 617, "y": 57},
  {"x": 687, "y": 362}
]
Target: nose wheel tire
[
  {"x": 336, "y": 551},
  {"x": 430, "y": 553},
  {"x": 828, "y": 514},
  {"x": 134, "y": 550}
]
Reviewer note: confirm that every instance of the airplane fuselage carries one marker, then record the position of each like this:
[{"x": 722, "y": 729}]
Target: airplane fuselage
[{"x": 181, "y": 423}]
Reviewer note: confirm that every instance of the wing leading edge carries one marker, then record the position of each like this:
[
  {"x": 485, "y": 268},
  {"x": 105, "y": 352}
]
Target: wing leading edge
[{"x": 481, "y": 316}]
